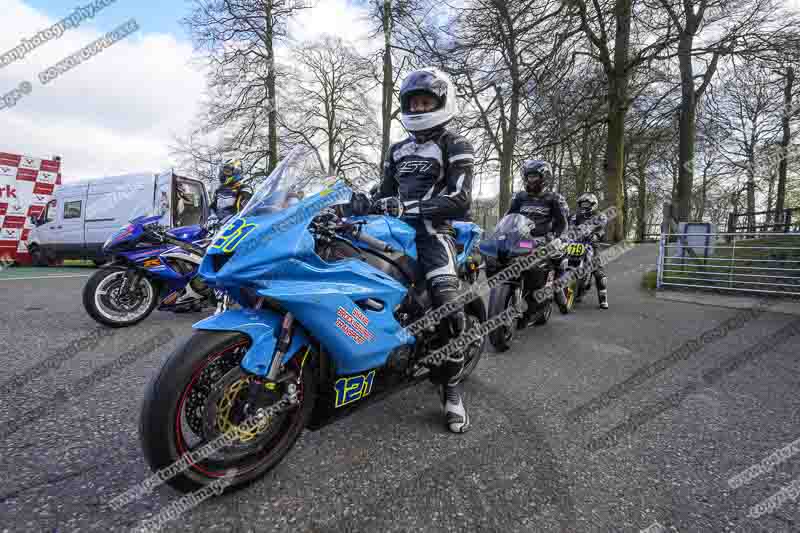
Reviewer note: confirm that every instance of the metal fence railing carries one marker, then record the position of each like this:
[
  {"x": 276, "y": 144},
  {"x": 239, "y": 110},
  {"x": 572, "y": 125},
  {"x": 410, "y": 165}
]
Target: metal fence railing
[
  {"x": 759, "y": 222},
  {"x": 767, "y": 263}
]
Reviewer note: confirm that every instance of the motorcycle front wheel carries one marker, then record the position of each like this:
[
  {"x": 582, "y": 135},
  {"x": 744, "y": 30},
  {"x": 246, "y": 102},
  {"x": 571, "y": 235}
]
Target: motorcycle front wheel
[
  {"x": 475, "y": 350},
  {"x": 501, "y": 298},
  {"x": 107, "y": 303},
  {"x": 201, "y": 393}
]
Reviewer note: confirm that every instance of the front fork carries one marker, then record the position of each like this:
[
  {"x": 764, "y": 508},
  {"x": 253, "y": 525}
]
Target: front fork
[
  {"x": 260, "y": 387},
  {"x": 131, "y": 280}
]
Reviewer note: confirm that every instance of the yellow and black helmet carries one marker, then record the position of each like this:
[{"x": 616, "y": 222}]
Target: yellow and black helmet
[{"x": 231, "y": 172}]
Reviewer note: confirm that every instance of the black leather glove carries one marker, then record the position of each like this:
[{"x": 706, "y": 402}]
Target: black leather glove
[
  {"x": 359, "y": 204},
  {"x": 392, "y": 207}
]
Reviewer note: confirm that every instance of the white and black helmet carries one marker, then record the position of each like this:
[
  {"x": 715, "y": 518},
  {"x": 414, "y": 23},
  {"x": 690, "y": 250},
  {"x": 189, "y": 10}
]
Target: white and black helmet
[
  {"x": 587, "y": 203},
  {"x": 429, "y": 81}
]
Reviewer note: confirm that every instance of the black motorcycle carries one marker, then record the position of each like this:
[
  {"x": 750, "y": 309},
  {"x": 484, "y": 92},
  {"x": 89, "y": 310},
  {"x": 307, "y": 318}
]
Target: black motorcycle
[{"x": 512, "y": 238}]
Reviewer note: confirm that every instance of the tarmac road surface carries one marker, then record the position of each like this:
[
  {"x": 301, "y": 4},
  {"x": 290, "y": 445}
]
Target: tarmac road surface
[{"x": 531, "y": 461}]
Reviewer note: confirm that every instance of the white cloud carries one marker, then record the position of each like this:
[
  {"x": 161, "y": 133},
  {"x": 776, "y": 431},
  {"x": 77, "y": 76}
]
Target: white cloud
[
  {"x": 334, "y": 17},
  {"x": 113, "y": 114}
]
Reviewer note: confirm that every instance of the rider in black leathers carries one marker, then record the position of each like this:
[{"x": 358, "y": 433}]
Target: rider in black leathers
[
  {"x": 231, "y": 196},
  {"x": 587, "y": 203},
  {"x": 427, "y": 180},
  {"x": 549, "y": 211}
]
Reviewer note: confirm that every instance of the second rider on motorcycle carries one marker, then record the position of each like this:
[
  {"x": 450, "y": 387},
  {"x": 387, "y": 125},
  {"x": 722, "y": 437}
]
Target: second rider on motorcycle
[
  {"x": 549, "y": 212},
  {"x": 231, "y": 196},
  {"x": 427, "y": 180}
]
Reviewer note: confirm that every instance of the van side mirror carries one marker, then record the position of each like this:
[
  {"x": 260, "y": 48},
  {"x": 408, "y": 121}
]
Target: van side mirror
[{"x": 35, "y": 220}]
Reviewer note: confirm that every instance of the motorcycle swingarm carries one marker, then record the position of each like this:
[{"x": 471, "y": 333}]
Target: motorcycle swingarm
[{"x": 262, "y": 326}]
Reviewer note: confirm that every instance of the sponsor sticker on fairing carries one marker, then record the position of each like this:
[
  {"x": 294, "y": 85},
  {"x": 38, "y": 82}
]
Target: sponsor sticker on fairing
[
  {"x": 363, "y": 331},
  {"x": 349, "y": 331}
]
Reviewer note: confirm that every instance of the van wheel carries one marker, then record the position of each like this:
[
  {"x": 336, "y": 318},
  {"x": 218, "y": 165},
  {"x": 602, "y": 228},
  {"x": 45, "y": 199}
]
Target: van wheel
[{"x": 37, "y": 257}]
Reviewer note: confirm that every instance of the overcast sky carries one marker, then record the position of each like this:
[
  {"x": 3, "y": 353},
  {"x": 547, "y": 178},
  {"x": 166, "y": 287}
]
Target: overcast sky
[{"x": 116, "y": 113}]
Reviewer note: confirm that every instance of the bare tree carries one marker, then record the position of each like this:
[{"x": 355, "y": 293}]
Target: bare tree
[
  {"x": 747, "y": 107},
  {"x": 329, "y": 109},
  {"x": 739, "y": 27},
  {"x": 239, "y": 38},
  {"x": 634, "y": 39}
]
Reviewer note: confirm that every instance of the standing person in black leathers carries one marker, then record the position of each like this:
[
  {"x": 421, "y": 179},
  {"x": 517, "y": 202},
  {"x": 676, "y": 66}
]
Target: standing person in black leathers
[
  {"x": 549, "y": 211},
  {"x": 427, "y": 180},
  {"x": 587, "y": 204}
]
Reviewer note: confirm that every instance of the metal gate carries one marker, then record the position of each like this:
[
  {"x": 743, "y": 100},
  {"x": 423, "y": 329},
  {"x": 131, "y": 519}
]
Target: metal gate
[{"x": 767, "y": 263}]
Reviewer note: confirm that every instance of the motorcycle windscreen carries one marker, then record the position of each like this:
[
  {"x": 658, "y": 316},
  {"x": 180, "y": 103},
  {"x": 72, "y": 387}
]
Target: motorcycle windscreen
[{"x": 512, "y": 233}]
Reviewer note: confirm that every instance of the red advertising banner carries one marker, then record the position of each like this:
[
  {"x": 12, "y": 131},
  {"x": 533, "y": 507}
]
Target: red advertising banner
[{"x": 26, "y": 185}]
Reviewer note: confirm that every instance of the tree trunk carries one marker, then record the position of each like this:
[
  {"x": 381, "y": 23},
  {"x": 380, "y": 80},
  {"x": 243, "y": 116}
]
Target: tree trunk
[
  {"x": 787, "y": 135},
  {"x": 586, "y": 160},
  {"x": 642, "y": 204},
  {"x": 771, "y": 196},
  {"x": 615, "y": 154},
  {"x": 388, "y": 82},
  {"x": 751, "y": 193},
  {"x": 626, "y": 219},
  {"x": 617, "y": 108},
  {"x": 703, "y": 195},
  {"x": 686, "y": 129},
  {"x": 505, "y": 180},
  {"x": 272, "y": 118},
  {"x": 509, "y": 143}
]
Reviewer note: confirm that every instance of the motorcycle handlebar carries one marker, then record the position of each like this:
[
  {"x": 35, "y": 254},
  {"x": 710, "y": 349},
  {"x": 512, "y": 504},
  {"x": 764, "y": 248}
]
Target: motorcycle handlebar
[{"x": 369, "y": 240}]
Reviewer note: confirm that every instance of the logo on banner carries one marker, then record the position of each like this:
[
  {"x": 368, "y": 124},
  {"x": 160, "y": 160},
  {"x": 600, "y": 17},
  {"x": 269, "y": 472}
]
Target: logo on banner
[
  {"x": 46, "y": 177},
  {"x": 11, "y": 234},
  {"x": 29, "y": 162},
  {"x": 8, "y": 192},
  {"x": 8, "y": 172},
  {"x": 16, "y": 208}
]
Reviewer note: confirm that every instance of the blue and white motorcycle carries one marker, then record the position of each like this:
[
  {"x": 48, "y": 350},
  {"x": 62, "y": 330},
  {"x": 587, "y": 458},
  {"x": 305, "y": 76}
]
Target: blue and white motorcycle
[
  {"x": 153, "y": 267},
  {"x": 323, "y": 330}
]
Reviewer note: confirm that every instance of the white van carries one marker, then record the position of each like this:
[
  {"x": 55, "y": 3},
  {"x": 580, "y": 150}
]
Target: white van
[{"x": 81, "y": 215}]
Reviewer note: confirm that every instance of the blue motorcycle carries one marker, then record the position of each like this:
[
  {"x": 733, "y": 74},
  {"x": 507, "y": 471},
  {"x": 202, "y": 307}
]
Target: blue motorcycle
[
  {"x": 152, "y": 267},
  {"x": 323, "y": 330}
]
